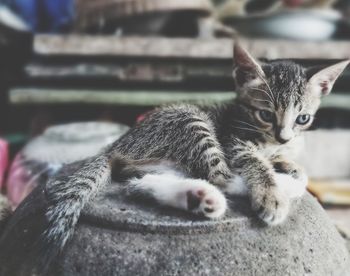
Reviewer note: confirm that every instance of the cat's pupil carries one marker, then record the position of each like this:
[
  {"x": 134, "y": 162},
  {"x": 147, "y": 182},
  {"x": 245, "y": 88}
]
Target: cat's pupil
[
  {"x": 266, "y": 115},
  {"x": 303, "y": 119}
]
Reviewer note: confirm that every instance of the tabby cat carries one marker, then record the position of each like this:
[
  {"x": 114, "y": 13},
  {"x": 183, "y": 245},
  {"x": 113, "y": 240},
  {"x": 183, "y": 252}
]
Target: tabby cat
[{"x": 188, "y": 156}]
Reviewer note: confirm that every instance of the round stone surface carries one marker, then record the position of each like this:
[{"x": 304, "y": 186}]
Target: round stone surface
[{"x": 119, "y": 236}]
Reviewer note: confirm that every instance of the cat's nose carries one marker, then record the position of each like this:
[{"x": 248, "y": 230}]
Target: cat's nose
[
  {"x": 283, "y": 135},
  {"x": 281, "y": 140}
]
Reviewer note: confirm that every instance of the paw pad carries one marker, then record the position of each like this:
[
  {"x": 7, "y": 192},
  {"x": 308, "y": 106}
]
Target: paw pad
[{"x": 207, "y": 202}]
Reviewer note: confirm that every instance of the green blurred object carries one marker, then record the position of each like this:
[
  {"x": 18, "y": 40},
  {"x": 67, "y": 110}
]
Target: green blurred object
[
  {"x": 25, "y": 96},
  {"x": 16, "y": 142},
  {"x": 16, "y": 138}
]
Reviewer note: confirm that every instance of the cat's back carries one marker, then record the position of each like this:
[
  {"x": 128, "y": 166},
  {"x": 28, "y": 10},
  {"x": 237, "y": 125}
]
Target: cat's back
[
  {"x": 176, "y": 112},
  {"x": 162, "y": 128}
]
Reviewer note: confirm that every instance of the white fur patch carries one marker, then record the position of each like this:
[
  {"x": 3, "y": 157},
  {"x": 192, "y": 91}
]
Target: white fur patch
[
  {"x": 170, "y": 188},
  {"x": 236, "y": 186},
  {"x": 287, "y": 123},
  {"x": 291, "y": 149},
  {"x": 291, "y": 187}
]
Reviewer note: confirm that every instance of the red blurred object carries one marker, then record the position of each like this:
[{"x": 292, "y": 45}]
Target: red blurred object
[
  {"x": 20, "y": 181},
  {"x": 143, "y": 116},
  {"x": 293, "y": 3},
  {"x": 140, "y": 118},
  {"x": 4, "y": 160},
  {"x": 45, "y": 154}
]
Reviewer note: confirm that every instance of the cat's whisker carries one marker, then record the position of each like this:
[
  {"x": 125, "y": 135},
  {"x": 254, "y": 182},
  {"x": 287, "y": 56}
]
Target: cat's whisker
[
  {"x": 255, "y": 127},
  {"x": 249, "y": 129},
  {"x": 268, "y": 94},
  {"x": 246, "y": 123},
  {"x": 261, "y": 100},
  {"x": 255, "y": 130},
  {"x": 268, "y": 86}
]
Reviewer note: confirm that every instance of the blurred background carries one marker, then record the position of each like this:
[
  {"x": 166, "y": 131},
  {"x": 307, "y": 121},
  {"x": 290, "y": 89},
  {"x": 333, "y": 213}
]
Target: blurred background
[{"x": 93, "y": 67}]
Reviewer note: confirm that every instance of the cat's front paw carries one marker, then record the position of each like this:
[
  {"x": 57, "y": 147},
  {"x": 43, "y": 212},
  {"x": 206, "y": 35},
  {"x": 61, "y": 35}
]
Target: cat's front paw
[
  {"x": 206, "y": 201},
  {"x": 220, "y": 174},
  {"x": 271, "y": 205}
]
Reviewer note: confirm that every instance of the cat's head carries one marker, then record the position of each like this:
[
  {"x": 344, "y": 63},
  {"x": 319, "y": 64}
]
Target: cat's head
[{"x": 281, "y": 97}]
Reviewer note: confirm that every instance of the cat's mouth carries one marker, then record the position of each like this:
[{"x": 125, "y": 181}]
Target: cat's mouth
[
  {"x": 275, "y": 139},
  {"x": 280, "y": 140}
]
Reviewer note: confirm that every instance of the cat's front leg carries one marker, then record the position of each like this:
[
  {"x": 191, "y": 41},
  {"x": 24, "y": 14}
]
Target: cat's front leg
[
  {"x": 258, "y": 175},
  {"x": 290, "y": 177}
]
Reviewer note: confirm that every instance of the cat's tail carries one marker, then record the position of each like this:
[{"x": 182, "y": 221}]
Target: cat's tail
[{"x": 41, "y": 226}]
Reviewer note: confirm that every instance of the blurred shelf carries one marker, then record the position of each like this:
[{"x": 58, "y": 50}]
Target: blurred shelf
[
  {"x": 30, "y": 96},
  {"x": 331, "y": 191},
  {"x": 110, "y": 62},
  {"x": 139, "y": 71},
  {"x": 86, "y": 45},
  {"x": 113, "y": 73},
  {"x": 339, "y": 100}
]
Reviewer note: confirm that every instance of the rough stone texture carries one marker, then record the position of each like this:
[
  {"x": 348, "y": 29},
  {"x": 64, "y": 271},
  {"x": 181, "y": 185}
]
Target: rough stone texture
[{"x": 119, "y": 237}]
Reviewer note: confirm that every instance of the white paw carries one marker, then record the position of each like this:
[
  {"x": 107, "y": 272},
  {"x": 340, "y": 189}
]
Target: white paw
[
  {"x": 290, "y": 186},
  {"x": 206, "y": 200}
]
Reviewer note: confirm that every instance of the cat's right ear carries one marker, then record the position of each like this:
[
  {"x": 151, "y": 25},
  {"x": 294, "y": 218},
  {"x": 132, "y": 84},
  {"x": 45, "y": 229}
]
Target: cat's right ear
[
  {"x": 247, "y": 71},
  {"x": 321, "y": 82}
]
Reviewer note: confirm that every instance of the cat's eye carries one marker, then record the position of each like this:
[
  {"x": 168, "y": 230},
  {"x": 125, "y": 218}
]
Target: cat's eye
[
  {"x": 303, "y": 119},
  {"x": 266, "y": 116}
]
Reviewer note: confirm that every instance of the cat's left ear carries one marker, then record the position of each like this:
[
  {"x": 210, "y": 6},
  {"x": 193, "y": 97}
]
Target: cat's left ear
[
  {"x": 247, "y": 71},
  {"x": 321, "y": 82}
]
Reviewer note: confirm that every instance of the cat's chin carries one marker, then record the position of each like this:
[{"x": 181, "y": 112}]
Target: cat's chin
[{"x": 274, "y": 142}]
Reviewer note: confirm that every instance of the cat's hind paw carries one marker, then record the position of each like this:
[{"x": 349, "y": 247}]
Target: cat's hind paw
[{"x": 207, "y": 201}]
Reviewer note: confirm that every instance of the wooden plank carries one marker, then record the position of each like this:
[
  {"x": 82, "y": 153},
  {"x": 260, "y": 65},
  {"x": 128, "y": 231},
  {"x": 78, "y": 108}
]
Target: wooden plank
[
  {"x": 27, "y": 96},
  {"x": 195, "y": 75},
  {"x": 86, "y": 45},
  {"x": 140, "y": 71},
  {"x": 134, "y": 71}
]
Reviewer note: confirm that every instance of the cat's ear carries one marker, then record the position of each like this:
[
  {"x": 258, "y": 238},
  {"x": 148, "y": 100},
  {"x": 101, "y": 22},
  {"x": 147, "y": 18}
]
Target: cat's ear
[
  {"x": 321, "y": 82},
  {"x": 247, "y": 71}
]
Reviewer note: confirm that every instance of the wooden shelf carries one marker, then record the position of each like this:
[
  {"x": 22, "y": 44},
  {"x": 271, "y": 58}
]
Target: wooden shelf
[
  {"x": 30, "y": 96},
  {"x": 85, "y": 45},
  {"x": 151, "y": 71}
]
